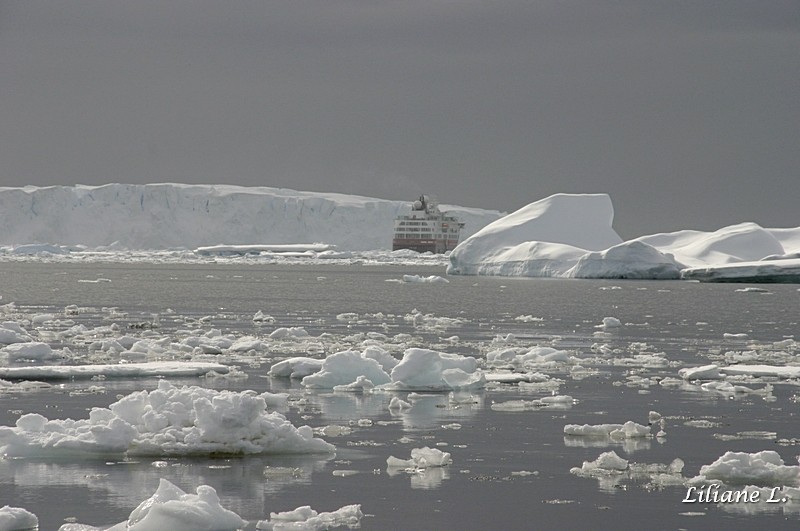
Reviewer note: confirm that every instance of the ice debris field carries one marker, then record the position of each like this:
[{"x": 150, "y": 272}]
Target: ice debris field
[
  {"x": 190, "y": 420},
  {"x": 564, "y": 235}
]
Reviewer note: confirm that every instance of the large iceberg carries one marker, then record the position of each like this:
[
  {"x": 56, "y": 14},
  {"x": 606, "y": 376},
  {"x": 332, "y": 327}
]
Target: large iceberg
[
  {"x": 571, "y": 236},
  {"x": 134, "y": 216}
]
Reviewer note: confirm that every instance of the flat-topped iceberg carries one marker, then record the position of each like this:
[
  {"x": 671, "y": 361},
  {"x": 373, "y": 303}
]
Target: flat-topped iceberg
[
  {"x": 571, "y": 236},
  {"x": 242, "y": 219}
]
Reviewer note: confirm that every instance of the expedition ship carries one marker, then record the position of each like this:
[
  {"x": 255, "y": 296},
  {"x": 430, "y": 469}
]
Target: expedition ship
[{"x": 426, "y": 229}]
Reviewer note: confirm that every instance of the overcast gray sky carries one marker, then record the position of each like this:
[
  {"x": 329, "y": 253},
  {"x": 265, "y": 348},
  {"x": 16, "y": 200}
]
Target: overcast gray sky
[{"x": 686, "y": 112}]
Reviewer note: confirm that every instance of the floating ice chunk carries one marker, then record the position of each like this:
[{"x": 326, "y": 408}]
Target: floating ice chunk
[
  {"x": 421, "y": 458},
  {"x": 171, "y": 508},
  {"x": 396, "y": 404},
  {"x": 17, "y": 519},
  {"x": 606, "y": 462},
  {"x": 433, "y": 279},
  {"x": 539, "y": 355},
  {"x": 167, "y": 421},
  {"x": 293, "y": 332},
  {"x": 763, "y": 468},
  {"x": 430, "y": 321},
  {"x": 727, "y": 388},
  {"x": 122, "y": 370},
  {"x": 246, "y": 344},
  {"x": 261, "y": 317},
  {"x": 298, "y": 367},
  {"x": 306, "y": 519},
  {"x": 740, "y": 335},
  {"x": 630, "y": 430},
  {"x": 706, "y": 372},
  {"x": 528, "y": 319},
  {"x": 21, "y": 387},
  {"x": 762, "y": 370},
  {"x": 429, "y": 370},
  {"x": 345, "y": 367},
  {"x": 548, "y": 402},
  {"x": 11, "y": 332},
  {"x": 42, "y": 318},
  {"x": 609, "y": 322},
  {"x": 557, "y": 400},
  {"x": 587, "y": 430},
  {"x": 32, "y": 351},
  {"x": 520, "y": 358},
  {"x": 752, "y": 290}
]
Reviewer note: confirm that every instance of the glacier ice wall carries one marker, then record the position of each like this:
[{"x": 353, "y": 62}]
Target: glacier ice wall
[{"x": 168, "y": 215}]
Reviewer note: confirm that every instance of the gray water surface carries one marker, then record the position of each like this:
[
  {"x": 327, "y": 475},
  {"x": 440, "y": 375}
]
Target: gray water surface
[{"x": 511, "y": 470}]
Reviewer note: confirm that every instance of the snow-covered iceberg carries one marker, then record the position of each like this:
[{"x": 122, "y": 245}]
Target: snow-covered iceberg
[
  {"x": 131, "y": 216},
  {"x": 542, "y": 239},
  {"x": 571, "y": 236}
]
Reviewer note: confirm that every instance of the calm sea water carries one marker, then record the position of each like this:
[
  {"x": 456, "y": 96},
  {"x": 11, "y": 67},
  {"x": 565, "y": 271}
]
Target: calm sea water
[{"x": 511, "y": 470}]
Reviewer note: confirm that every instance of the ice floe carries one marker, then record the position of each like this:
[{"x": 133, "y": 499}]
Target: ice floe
[
  {"x": 421, "y": 458},
  {"x": 418, "y": 279},
  {"x": 374, "y": 368},
  {"x": 17, "y": 519},
  {"x": 167, "y": 421},
  {"x": 171, "y": 508},
  {"x": 628, "y": 430},
  {"x": 117, "y": 370},
  {"x": 765, "y": 468},
  {"x": 716, "y": 372},
  {"x": 307, "y": 519}
]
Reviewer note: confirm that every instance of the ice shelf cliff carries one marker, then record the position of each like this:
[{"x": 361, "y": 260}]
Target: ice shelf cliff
[{"x": 166, "y": 215}]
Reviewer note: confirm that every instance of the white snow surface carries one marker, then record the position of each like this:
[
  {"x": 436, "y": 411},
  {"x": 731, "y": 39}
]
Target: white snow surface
[
  {"x": 571, "y": 236},
  {"x": 168, "y": 421},
  {"x": 131, "y": 216}
]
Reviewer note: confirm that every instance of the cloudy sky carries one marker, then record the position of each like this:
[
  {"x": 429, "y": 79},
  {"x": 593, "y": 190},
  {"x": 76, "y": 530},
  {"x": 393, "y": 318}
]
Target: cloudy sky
[{"x": 686, "y": 112}]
